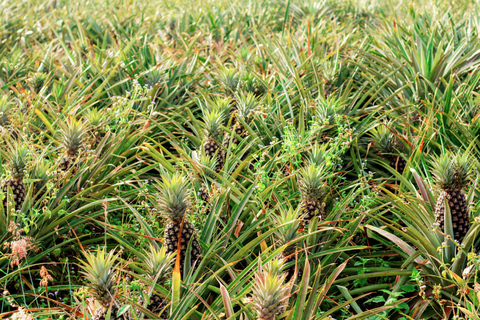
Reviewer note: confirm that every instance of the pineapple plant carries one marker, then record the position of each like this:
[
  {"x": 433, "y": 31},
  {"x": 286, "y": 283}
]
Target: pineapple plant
[
  {"x": 5, "y": 107},
  {"x": 17, "y": 166},
  {"x": 173, "y": 202},
  {"x": 250, "y": 83},
  {"x": 158, "y": 265},
  {"x": 386, "y": 144},
  {"x": 95, "y": 120},
  {"x": 72, "y": 134},
  {"x": 269, "y": 290},
  {"x": 37, "y": 81},
  {"x": 313, "y": 191},
  {"x": 318, "y": 154},
  {"x": 6, "y": 125},
  {"x": 452, "y": 174},
  {"x": 100, "y": 274},
  {"x": 40, "y": 177},
  {"x": 230, "y": 80},
  {"x": 246, "y": 104},
  {"x": 287, "y": 227},
  {"x": 213, "y": 134},
  {"x": 221, "y": 104},
  {"x": 205, "y": 166}
]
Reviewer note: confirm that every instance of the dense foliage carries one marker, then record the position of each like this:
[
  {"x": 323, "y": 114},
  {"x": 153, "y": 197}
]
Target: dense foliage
[{"x": 239, "y": 159}]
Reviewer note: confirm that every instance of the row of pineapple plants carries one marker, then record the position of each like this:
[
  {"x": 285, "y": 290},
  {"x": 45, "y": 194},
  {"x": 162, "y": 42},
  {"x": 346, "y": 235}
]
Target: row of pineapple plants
[{"x": 209, "y": 120}]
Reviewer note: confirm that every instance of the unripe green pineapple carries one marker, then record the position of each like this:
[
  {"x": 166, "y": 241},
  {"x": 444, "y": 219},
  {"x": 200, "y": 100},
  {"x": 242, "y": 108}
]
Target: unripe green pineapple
[
  {"x": 312, "y": 190},
  {"x": 173, "y": 202},
  {"x": 158, "y": 264},
  {"x": 17, "y": 165},
  {"x": 72, "y": 135},
  {"x": 213, "y": 121},
  {"x": 387, "y": 144},
  {"x": 100, "y": 273},
  {"x": 452, "y": 174},
  {"x": 269, "y": 291}
]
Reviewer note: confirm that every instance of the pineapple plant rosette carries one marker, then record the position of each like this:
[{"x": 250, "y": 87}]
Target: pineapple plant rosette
[
  {"x": 174, "y": 203},
  {"x": 99, "y": 271},
  {"x": 157, "y": 265},
  {"x": 313, "y": 190},
  {"x": 213, "y": 121},
  {"x": 246, "y": 104},
  {"x": 386, "y": 144},
  {"x": 71, "y": 138},
  {"x": 287, "y": 227},
  {"x": 452, "y": 173},
  {"x": 17, "y": 166},
  {"x": 269, "y": 290}
]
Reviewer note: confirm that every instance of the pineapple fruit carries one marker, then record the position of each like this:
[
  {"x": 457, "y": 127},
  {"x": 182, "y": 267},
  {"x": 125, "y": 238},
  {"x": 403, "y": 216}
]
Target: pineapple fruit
[
  {"x": 17, "y": 167},
  {"x": 386, "y": 144},
  {"x": 313, "y": 191},
  {"x": 287, "y": 227},
  {"x": 157, "y": 264},
  {"x": 99, "y": 271},
  {"x": 71, "y": 139},
  {"x": 269, "y": 291},
  {"x": 213, "y": 121},
  {"x": 452, "y": 175},
  {"x": 173, "y": 202}
]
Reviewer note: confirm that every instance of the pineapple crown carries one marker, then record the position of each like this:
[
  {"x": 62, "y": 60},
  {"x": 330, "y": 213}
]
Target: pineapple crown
[
  {"x": 37, "y": 81},
  {"x": 311, "y": 184},
  {"x": 246, "y": 104},
  {"x": 154, "y": 77},
  {"x": 94, "y": 117},
  {"x": 72, "y": 136},
  {"x": 383, "y": 140},
  {"x": 286, "y": 225},
  {"x": 5, "y": 106},
  {"x": 318, "y": 154},
  {"x": 269, "y": 291},
  {"x": 250, "y": 83},
  {"x": 158, "y": 262},
  {"x": 212, "y": 123},
  {"x": 230, "y": 79},
  {"x": 451, "y": 171},
  {"x": 221, "y": 104},
  {"x": 206, "y": 165},
  {"x": 40, "y": 170},
  {"x": 99, "y": 271},
  {"x": 174, "y": 194},
  {"x": 18, "y": 163},
  {"x": 328, "y": 108}
]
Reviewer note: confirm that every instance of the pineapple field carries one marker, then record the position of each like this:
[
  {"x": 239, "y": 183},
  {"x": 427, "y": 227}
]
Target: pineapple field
[{"x": 239, "y": 160}]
